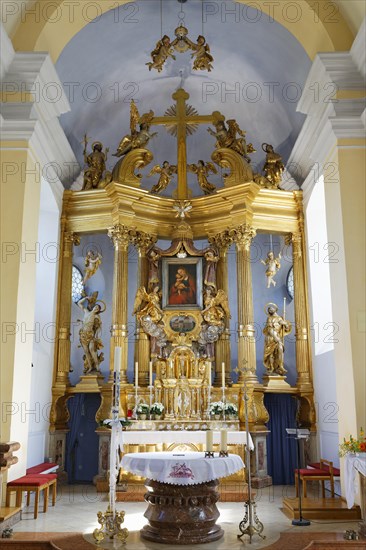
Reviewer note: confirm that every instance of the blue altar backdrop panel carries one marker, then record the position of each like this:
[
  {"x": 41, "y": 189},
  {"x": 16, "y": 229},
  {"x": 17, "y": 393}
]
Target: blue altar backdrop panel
[
  {"x": 281, "y": 450},
  {"x": 81, "y": 460}
]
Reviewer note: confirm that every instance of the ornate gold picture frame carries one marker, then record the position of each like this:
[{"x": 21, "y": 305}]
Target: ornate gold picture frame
[{"x": 182, "y": 283}]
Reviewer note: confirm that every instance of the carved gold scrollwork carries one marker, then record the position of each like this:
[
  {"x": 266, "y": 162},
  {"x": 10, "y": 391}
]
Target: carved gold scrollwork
[
  {"x": 240, "y": 170},
  {"x": 124, "y": 171}
]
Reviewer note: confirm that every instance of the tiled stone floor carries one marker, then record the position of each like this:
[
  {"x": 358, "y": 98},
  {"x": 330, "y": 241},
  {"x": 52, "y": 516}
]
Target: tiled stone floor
[{"x": 77, "y": 506}]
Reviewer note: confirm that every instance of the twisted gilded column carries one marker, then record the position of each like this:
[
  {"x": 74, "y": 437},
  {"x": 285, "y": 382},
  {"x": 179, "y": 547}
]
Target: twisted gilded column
[
  {"x": 303, "y": 363},
  {"x": 64, "y": 344},
  {"x": 142, "y": 242},
  {"x": 121, "y": 238},
  {"x": 222, "y": 241},
  {"x": 243, "y": 236}
]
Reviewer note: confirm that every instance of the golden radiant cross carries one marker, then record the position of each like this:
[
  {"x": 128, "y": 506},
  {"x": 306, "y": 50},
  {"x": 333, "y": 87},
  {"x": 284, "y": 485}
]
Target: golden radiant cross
[{"x": 181, "y": 119}]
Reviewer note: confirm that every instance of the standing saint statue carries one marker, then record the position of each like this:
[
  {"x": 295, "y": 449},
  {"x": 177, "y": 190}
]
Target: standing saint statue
[
  {"x": 272, "y": 266},
  {"x": 275, "y": 331},
  {"x": 89, "y": 335},
  {"x": 96, "y": 162},
  {"x": 209, "y": 278},
  {"x": 273, "y": 167}
]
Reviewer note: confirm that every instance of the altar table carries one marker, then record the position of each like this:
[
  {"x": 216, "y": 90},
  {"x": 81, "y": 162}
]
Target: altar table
[
  {"x": 182, "y": 436},
  {"x": 181, "y": 494},
  {"x": 356, "y": 462}
]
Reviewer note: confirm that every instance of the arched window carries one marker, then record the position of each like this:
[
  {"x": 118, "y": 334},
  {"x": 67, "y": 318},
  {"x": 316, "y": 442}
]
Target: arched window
[{"x": 77, "y": 285}]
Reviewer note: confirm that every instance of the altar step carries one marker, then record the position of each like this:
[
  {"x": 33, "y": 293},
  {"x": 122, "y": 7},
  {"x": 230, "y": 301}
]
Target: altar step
[
  {"x": 322, "y": 508},
  {"x": 134, "y": 491},
  {"x": 9, "y": 516}
]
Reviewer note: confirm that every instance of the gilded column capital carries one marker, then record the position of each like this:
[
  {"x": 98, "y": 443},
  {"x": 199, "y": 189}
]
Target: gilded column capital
[
  {"x": 243, "y": 236},
  {"x": 222, "y": 241},
  {"x": 143, "y": 241},
  {"x": 120, "y": 235},
  {"x": 71, "y": 238},
  {"x": 296, "y": 240}
]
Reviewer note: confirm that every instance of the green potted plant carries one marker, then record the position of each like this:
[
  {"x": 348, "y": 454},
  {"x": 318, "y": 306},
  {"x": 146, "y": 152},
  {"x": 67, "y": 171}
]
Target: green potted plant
[
  {"x": 157, "y": 410},
  {"x": 216, "y": 409},
  {"x": 231, "y": 411},
  {"x": 142, "y": 411}
]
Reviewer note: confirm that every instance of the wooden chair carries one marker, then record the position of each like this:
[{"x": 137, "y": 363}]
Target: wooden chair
[
  {"x": 29, "y": 483},
  {"x": 324, "y": 473}
]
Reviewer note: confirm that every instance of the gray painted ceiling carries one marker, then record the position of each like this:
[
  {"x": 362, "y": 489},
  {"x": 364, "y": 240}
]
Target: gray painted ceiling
[{"x": 103, "y": 68}]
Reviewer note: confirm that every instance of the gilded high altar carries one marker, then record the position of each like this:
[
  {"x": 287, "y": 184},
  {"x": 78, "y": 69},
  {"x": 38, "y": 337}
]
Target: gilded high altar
[{"x": 232, "y": 216}]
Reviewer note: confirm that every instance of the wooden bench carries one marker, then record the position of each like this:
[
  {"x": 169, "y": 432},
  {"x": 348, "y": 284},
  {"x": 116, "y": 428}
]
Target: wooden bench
[
  {"x": 324, "y": 473},
  {"x": 36, "y": 483},
  {"x": 44, "y": 468}
]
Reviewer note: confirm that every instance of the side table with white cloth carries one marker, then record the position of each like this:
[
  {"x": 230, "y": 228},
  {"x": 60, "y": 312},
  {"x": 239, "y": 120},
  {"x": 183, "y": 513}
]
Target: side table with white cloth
[
  {"x": 182, "y": 491},
  {"x": 356, "y": 463}
]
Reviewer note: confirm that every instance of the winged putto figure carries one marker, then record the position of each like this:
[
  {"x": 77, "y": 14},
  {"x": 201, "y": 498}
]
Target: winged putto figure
[
  {"x": 166, "y": 171},
  {"x": 160, "y": 54},
  {"x": 203, "y": 58},
  {"x": 202, "y": 169}
]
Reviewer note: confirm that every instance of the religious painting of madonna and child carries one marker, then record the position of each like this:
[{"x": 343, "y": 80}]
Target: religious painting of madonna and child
[{"x": 182, "y": 283}]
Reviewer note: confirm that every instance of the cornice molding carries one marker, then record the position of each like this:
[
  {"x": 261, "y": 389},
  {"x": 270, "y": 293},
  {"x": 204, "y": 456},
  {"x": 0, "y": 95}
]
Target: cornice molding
[
  {"x": 7, "y": 51},
  {"x": 329, "y": 118},
  {"x": 358, "y": 50}
]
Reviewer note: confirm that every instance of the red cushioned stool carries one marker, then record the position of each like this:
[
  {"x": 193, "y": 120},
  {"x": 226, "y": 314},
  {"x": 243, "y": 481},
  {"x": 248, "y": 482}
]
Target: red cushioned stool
[
  {"x": 324, "y": 473},
  {"x": 35, "y": 483}
]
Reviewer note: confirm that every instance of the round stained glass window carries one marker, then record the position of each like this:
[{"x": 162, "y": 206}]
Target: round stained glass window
[
  {"x": 77, "y": 286},
  {"x": 290, "y": 282}
]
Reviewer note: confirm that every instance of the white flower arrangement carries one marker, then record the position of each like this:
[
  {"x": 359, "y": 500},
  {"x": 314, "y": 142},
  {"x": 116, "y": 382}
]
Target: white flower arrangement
[
  {"x": 142, "y": 408},
  {"x": 230, "y": 408},
  {"x": 216, "y": 407},
  {"x": 157, "y": 408}
]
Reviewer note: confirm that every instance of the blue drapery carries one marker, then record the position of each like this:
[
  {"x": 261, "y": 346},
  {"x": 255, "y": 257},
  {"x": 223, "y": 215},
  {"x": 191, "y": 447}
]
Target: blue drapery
[
  {"x": 81, "y": 461},
  {"x": 281, "y": 450},
  {"x": 75, "y": 406}
]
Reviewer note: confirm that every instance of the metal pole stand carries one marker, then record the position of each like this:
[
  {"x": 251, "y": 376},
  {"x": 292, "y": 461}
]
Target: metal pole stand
[{"x": 250, "y": 524}]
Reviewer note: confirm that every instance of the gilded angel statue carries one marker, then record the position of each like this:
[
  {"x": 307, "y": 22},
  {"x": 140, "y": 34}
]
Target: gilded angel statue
[
  {"x": 166, "y": 171},
  {"x": 152, "y": 308},
  {"x": 92, "y": 262},
  {"x": 242, "y": 147},
  {"x": 273, "y": 167},
  {"x": 163, "y": 50},
  {"x": 203, "y": 58},
  {"x": 137, "y": 138},
  {"x": 216, "y": 307},
  {"x": 226, "y": 138},
  {"x": 202, "y": 169}
]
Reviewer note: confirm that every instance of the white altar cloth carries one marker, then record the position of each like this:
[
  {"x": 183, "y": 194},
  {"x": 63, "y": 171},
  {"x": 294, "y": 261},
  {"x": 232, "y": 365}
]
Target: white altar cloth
[
  {"x": 182, "y": 436},
  {"x": 353, "y": 463},
  {"x": 181, "y": 468}
]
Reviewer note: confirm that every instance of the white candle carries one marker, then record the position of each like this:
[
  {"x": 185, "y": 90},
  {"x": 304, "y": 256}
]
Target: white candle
[
  {"x": 150, "y": 374},
  {"x": 284, "y": 308},
  {"x": 223, "y": 440},
  {"x": 136, "y": 374},
  {"x": 209, "y": 441},
  {"x": 117, "y": 358},
  {"x": 209, "y": 373},
  {"x": 223, "y": 374}
]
